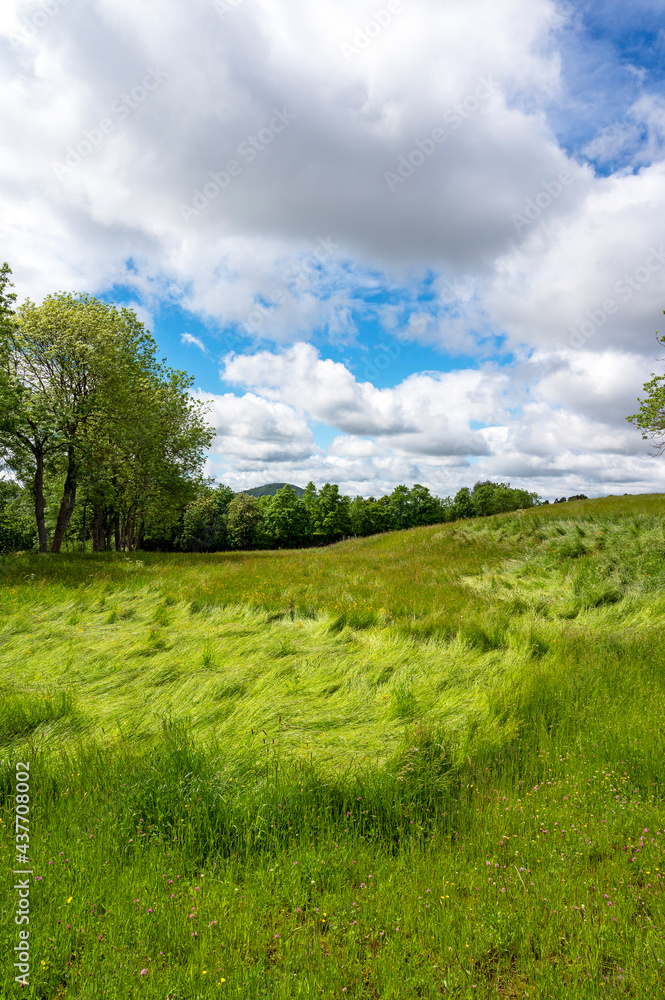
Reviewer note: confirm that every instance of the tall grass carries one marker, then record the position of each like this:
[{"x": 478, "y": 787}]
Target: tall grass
[{"x": 441, "y": 796}]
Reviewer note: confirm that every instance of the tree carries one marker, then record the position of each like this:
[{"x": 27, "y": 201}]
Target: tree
[
  {"x": 7, "y": 298},
  {"x": 152, "y": 461},
  {"x": 205, "y": 527},
  {"x": 379, "y": 514},
  {"x": 285, "y": 519},
  {"x": 651, "y": 416},
  {"x": 28, "y": 433},
  {"x": 361, "y": 520},
  {"x": 16, "y": 526},
  {"x": 81, "y": 388},
  {"x": 426, "y": 508},
  {"x": 331, "y": 518},
  {"x": 244, "y": 518},
  {"x": 463, "y": 505},
  {"x": 400, "y": 508},
  {"x": 496, "y": 498}
]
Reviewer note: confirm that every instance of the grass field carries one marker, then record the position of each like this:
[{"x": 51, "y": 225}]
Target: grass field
[{"x": 422, "y": 764}]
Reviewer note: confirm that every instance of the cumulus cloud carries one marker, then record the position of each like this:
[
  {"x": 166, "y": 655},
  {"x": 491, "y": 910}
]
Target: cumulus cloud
[
  {"x": 419, "y": 416},
  {"x": 415, "y": 177},
  {"x": 553, "y": 422},
  {"x": 249, "y": 428}
]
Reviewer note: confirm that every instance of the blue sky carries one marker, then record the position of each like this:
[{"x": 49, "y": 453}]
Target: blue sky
[{"x": 416, "y": 246}]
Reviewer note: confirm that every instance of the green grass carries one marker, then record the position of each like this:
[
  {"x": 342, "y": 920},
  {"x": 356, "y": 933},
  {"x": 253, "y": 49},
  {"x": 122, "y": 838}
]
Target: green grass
[{"x": 418, "y": 765}]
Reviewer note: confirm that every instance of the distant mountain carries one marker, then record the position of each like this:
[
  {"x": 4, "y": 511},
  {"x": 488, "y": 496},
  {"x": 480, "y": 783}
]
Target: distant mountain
[{"x": 271, "y": 489}]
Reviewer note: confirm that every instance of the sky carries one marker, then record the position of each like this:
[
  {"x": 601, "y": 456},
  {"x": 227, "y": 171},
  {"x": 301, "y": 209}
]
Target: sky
[{"x": 420, "y": 241}]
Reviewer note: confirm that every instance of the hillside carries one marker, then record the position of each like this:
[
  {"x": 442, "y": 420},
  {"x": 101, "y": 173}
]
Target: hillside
[
  {"x": 404, "y": 765},
  {"x": 271, "y": 488}
]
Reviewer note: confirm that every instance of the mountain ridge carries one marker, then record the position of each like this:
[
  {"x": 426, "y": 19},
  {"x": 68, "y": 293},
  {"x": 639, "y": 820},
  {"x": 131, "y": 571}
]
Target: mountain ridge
[{"x": 269, "y": 490}]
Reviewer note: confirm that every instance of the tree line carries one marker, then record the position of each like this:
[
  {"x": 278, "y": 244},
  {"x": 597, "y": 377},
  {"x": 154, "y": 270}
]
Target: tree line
[
  {"x": 220, "y": 519},
  {"x": 217, "y": 519}
]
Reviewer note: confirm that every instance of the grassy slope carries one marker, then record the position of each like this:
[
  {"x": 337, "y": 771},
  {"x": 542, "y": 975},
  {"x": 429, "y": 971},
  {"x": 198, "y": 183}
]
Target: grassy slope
[{"x": 481, "y": 686}]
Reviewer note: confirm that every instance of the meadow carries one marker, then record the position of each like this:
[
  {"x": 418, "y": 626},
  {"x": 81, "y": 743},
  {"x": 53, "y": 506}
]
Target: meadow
[{"x": 423, "y": 764}]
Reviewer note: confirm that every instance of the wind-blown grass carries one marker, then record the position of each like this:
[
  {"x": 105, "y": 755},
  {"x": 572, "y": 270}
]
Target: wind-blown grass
[{"x": 425, "y": 764}]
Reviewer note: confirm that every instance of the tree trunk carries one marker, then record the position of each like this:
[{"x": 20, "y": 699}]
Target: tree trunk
[
  {"x": 67, "y": 502},
  {"x": 109, "y": 532},
  {"x": 85, "y": 508},
  {"x": 116, "y": 530},
  {"x": 38, "y": 490},
  {"x": 130, "y": 539},
  {"x": 97, "y": 526},
  {"x": 138, "y": 538}
]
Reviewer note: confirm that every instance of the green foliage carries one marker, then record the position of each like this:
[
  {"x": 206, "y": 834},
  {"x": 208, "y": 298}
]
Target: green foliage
[
  {"x": 243, "y": 520},
  {"x": 498, "y": 498},
  {"x": 330, "y": 518},
  {"x": 7, "y": 299},
  {"x": 463, "y": 505},
  {"x": 17, "y": 530},
  {"x": 651, "y": 416},
  {"x": 285, "y": 520},
  {"x": 204, "y": 527},
  {"x": 85, "y": 403}
]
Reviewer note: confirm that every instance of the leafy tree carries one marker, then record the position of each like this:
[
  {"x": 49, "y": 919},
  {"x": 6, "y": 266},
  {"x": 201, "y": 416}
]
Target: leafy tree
[
  {"x": 400, "y": 508},
  {"x": 244, "y": 519},
  {"x": 17, "y": 529},
  {"x": 7, "y": 298},
  {"x": 361, "y": 519},
  {"x": 205, "y": 527},
  {"x": 425, "y": 508},
  {"x": 495, "y": 498},
  {"x": 309, "y": 498},
  {"x": 446, "y": 507},
  {"x": 83, "y": 390},
  {"x": 651, "y": 415},
  {"x": 286, "y": 519},
  {"x": 379, "y": 513},
  {"x": 331, "y": 515},
  {"x": 482, "y": 497},
  {"x": 463, "y": 505}
]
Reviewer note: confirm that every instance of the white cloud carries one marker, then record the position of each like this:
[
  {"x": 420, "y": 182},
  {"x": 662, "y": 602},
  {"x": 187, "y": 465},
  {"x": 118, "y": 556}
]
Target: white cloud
[
  {"x": 189, "y": 340},
  {"x": 144, "y": 106},
  {"x": 249, "y": 428},
  {"x": 416, "y": 417},
  {"x": 552, "y": 423}
]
